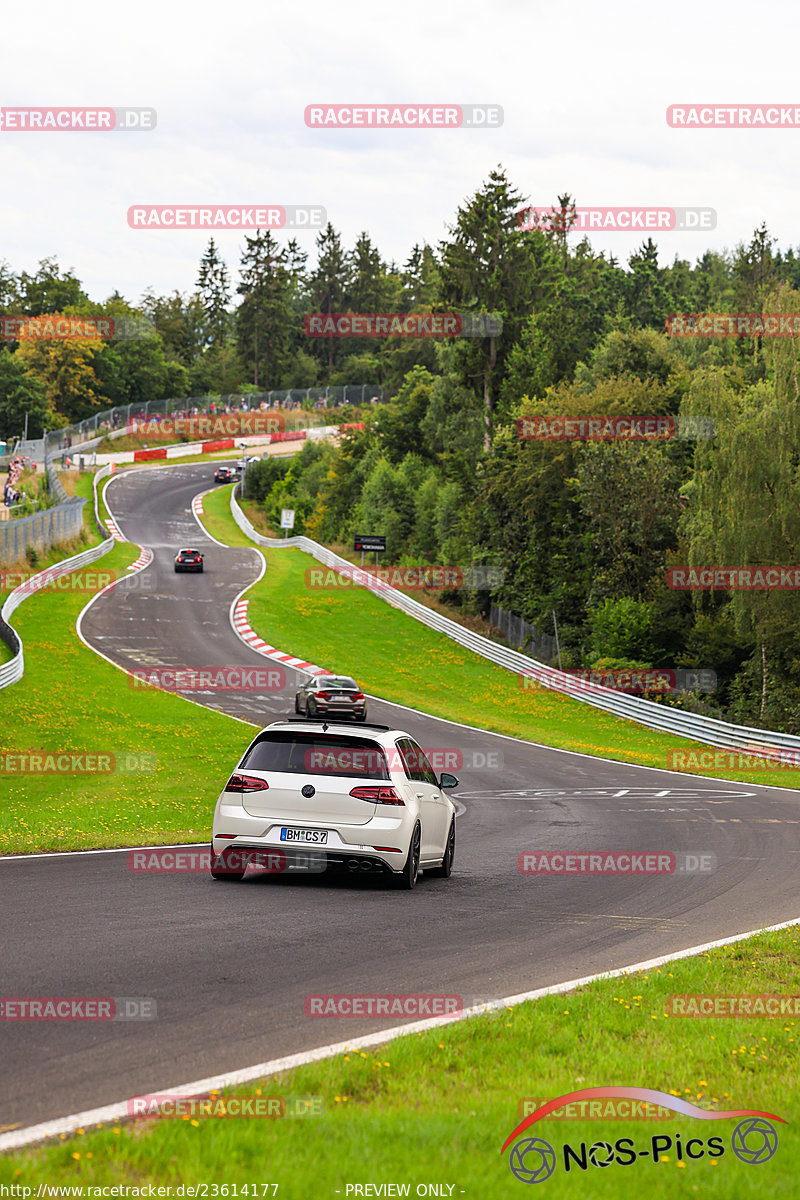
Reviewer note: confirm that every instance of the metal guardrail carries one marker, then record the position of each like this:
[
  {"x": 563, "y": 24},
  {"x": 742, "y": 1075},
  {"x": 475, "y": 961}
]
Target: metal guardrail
[
  {"x": 708, "y": 730},
  {"x": 12, "y": 671}
]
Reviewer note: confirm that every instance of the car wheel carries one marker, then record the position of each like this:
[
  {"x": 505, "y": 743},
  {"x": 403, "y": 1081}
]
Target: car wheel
[
  {"x": 311, "y": 708},
  {"x": 444, "y": 871},
  {"x": 410, "y": 873},
  {"x": 296, "y": 705},
  {"x": 361, "y": 716},
  {"x": 220, "y": 868}
]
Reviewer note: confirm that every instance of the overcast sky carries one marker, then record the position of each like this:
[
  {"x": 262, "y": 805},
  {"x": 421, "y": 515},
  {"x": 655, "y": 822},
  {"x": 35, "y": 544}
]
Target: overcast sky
[{"x": 584, "y": 88}]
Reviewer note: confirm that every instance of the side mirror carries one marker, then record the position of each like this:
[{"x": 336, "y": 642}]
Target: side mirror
[{"x": 448, "y": 781}]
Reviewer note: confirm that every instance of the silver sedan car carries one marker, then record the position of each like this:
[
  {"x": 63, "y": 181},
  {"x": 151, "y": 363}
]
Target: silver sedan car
[{"x": 331, "y": 695}]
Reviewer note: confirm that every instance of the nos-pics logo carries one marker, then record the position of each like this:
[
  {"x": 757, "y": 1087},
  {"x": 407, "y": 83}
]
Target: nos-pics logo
[{"x": 753, "y": 1141}]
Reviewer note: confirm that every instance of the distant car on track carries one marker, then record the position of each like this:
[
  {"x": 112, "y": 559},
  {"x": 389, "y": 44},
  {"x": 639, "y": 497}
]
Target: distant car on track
[
  {"x": 337, "y": 695},
  {"x": 189, "y": 560},
  {"x": 223, "y": 475},
  {"x": 325, "y": 795}
]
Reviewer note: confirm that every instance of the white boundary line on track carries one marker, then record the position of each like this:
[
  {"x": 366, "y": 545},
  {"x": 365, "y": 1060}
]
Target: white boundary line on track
[
  {"x": 18, "y": 1138},
  {"x": 110, "y": 850},
  {"x": 197, "y": 512}
]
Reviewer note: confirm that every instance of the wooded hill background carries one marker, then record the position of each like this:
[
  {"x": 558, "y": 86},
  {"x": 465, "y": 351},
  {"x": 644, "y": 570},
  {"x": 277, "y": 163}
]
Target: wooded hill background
[{"x": 588, "y": 529}]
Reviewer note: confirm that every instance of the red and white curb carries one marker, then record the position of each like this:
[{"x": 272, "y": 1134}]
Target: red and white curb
[
  {"x": 245, "y": 632},
  {"x": 114, "y": 530},
  {"x": 238, "y": 613},
  {"x": 143, "y": 561}
]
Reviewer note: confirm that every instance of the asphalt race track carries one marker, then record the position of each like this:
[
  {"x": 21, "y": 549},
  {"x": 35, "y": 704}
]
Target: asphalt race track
[{"x": 229, "y": 966}]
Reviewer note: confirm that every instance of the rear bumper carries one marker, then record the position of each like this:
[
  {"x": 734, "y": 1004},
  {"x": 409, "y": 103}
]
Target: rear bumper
[
  {"x": 350, "y": 846},
  {"x": 340, "y": 710},
  {"x": 315, "y": 861}
]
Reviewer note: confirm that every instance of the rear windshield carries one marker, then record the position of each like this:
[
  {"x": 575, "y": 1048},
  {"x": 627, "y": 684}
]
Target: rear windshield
[
  {"x": 340, "y": 682},
  {"x": 310, "y": 754}
]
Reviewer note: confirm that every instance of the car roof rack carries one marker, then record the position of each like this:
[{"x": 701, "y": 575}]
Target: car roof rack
[{"x": 330, "y": 721}]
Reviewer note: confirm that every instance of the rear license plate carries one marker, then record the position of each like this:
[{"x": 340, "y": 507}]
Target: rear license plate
[{"x": 318, "y": 836}]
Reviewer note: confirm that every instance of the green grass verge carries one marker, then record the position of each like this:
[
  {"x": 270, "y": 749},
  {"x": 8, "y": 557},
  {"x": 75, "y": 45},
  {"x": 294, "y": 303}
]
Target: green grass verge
[
  {"x": 79, "y": 483},
  {"x": 437, "y": 1107},
  {"x": 217, "y": 517},
  {"x": 352, "y": 631},
  {"x": 170, "y": 755}
]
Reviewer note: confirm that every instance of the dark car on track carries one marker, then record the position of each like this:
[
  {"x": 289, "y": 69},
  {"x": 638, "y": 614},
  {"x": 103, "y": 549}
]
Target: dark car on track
[
  {"x": 223, "y": 475},
  {"x": 188, "y": 560},
  {"x": 337, "y": 695}
]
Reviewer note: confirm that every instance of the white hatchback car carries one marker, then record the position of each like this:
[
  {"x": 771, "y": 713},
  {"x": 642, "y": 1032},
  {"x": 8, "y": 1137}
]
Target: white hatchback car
[{"x": 319, "y": 794}]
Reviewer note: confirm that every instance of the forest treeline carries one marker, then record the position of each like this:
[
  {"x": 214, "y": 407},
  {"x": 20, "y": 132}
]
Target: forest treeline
[{"x": 585, "y": 529}]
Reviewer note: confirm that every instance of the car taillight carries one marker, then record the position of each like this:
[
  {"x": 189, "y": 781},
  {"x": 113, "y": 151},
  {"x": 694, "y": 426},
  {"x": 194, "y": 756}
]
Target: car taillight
[
  {"x": 378, "y": 795},
  {"x": 245, "y": 783},
  {"x": 322, "y": 695},
  {"x": 357, "y": 696}
]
